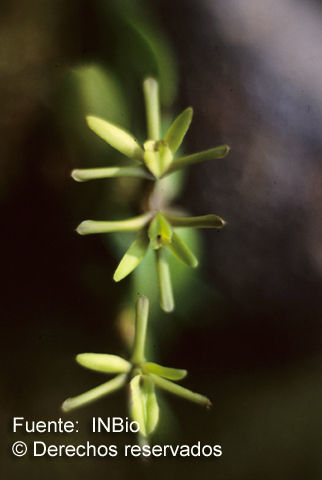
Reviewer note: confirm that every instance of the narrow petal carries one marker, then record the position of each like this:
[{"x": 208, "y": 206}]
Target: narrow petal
[
  {"x": 203, "y": 221},
  {"x": 182, "y": 252},
  {"x": 94, "y": 394},
  {"x": 164, "y": 280},
  {"x": 83, "y": 175},
  {"x": 131, "y": 224},
  {"x": 116, "y": 137},
  {"x": 133, "y": 256},
  {"x": 141, "y": 323},
  {"x": 178, "y": 129},
  {"x": 152, "y": 107},
  {"x": 165, "y": 372},
  {"x": 211, "y": 154},
  {"x": 180, "y": 391},
  {"x": 144, "y": 405},
  {"x": 160, "y": 232},
  {"x": 101, "y": 362}
]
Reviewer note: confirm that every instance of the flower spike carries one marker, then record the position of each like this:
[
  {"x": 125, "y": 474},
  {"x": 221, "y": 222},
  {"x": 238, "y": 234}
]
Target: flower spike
[
  {"x": 157, "y": 156},
  {"x": 142, "y": 376}
]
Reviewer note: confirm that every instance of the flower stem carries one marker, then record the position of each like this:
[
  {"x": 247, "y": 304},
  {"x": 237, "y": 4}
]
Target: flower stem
[
  {"x": 141, "y": 322},
  {"x": 152, "y": 106}
]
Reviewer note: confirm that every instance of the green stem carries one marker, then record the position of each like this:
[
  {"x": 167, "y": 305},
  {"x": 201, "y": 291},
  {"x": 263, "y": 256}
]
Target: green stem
[
  {"x": 94, "y": 394},
  {"x": 152, "y": 106},
  {"x": 180, "y": 391},
  {"x": 141, "y": 322}
]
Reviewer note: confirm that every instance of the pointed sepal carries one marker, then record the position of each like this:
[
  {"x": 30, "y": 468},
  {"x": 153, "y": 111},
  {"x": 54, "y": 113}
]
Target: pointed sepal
[
  {"x": 182, "y": 252},
  {"x": 133, "y": 224},
  {"x": 202, "y": 221},
  {"x": 211, "y": 154},
  {"x": 83, "y": 175},
  {"x": 180, "y": 391},
  {"x": 95, "y": 394},
  {"x": 116, "y": 137},
  {"x": 105, "y": 363},
  {"x": 133, "y": 256},
  {"x": 178, "y": 129}
]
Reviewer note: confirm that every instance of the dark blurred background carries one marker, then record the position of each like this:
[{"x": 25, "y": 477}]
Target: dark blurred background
[{"x": 249, "y": 329}]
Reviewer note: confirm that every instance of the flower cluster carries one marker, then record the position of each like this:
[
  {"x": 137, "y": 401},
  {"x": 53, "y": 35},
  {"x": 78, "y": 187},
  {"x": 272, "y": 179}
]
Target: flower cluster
[
  {"x": 142, "y": 376},
  {"x": 155, "y": 227}
]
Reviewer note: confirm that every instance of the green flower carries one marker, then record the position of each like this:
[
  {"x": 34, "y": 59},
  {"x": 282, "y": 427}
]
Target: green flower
[
  {"x": 142, "y": 376},
  {"x": 156, "y": 230},
  {"x": 153, "y": 161},
  {"x": 156, "y": 158}
]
